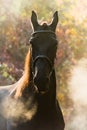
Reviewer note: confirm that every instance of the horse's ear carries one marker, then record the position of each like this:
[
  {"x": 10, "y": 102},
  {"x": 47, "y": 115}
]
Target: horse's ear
[
  {"x": 54, "y": 21},
  {"x": 34, "y": 20}
]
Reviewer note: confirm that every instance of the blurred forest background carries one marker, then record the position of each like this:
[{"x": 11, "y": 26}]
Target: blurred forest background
[{"x": 16, "y": 29}]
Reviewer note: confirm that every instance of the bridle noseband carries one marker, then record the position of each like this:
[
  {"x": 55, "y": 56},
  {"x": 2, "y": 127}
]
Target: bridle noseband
[
  {"x": 42, "y": 57},
  {"x": 45, "y": 58}
]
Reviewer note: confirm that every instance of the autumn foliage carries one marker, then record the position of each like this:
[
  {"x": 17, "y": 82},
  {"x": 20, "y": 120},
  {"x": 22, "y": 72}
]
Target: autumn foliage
[{"x": 15, "y": 31}]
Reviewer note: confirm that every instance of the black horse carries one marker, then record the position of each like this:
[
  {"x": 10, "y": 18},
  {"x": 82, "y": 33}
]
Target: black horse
[{"x": 34, "y": 95}]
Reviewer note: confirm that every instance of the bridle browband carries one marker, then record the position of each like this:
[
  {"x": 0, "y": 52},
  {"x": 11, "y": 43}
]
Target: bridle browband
[{"x": 43, "y": 31}]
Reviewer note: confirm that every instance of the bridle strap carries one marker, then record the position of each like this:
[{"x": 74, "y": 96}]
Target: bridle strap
[
  {"x": 43, "y": 31},
  {"x": 47, "y": 59},
  {"x": 42, "y": 57}
]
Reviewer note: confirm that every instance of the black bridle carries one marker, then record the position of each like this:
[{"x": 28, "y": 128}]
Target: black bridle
[{"x": 42, "y": 56}]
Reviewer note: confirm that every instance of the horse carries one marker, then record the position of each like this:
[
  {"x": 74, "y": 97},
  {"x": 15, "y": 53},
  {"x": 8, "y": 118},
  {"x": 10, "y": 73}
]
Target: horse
[{"x": 31, "y": 102}]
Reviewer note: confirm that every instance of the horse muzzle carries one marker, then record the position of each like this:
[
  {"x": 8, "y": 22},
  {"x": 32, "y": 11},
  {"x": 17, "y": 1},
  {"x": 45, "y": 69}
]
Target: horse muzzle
[{"x": 41, "y": 86}]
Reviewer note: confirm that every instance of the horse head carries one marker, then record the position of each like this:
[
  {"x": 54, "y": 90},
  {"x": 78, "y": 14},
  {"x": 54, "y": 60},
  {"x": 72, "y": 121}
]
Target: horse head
[{"x": 44, "y": 46}]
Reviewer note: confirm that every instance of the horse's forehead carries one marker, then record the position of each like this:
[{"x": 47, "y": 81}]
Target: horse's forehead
[{"x": 44, "y": 26}]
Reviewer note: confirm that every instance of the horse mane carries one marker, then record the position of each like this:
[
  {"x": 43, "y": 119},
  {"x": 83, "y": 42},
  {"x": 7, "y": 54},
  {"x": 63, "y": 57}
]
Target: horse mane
[{"x": 24, "y": 80}]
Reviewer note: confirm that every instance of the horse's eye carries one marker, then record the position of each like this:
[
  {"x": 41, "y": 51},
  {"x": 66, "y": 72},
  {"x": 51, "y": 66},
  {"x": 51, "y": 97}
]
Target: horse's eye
[
  {"x": 54, "y": 41},
  {"x": 31, "y": 40}
]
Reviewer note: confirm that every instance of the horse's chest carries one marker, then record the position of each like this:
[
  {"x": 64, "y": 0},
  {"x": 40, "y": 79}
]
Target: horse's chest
[{"x": 39, "y": 122}]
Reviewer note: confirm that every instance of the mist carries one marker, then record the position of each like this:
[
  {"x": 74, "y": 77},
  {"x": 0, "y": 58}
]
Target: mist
[
  {"x": 78, "y": 94},
  {"x": 14, "y": 109}
]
